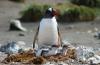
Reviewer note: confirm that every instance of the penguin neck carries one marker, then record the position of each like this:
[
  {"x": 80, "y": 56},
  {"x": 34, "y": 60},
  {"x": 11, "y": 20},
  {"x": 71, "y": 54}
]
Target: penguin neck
[
  {"x": 53, "y": 19},
  {"x": 48, "y": 17}
]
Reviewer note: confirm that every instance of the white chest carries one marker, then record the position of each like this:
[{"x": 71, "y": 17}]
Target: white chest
[{"x": 48, "y": 32}]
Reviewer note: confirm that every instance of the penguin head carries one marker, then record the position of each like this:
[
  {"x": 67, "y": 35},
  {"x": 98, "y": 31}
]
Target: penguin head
[{"x": 50, "y": 12}]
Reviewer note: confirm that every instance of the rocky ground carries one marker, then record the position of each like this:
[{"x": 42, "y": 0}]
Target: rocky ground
[{"x": 80, "y": 33}]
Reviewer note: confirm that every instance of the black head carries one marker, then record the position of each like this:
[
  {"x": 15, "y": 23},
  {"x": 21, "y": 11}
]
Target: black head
[{"x": 50, "y": 12}]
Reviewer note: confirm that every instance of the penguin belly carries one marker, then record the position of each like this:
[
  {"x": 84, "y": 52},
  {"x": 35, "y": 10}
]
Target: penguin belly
[{"x": 48, "y": 33}]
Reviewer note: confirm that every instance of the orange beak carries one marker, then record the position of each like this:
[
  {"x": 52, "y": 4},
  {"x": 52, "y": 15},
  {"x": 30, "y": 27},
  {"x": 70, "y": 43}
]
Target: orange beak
[{"x": 55, "y": 12}]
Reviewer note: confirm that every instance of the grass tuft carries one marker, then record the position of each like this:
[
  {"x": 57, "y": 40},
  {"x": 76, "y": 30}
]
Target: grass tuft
[
  {"x": 67, "y": 12},
  {"x": 18, "y": 0}
]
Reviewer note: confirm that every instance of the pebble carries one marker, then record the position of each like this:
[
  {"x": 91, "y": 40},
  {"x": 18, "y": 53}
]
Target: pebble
[{"x": 21, "y": 34}]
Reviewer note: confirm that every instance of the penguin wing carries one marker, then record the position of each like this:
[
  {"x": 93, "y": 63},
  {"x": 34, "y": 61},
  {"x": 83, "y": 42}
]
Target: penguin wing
[
  {"x": 35, "y": 37},
  {"x": 59, "y": 38}
]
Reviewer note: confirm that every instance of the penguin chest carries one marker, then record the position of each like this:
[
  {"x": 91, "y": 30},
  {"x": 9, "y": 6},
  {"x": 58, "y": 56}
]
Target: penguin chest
[{"x": 48, "y": 33}]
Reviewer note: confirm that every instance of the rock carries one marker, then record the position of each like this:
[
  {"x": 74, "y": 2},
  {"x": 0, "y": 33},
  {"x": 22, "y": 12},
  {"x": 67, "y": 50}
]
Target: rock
[
  {"x": 89, "y": 31},
  {"x": 16, "y": 25},
  {"x": 21, "y": 34},
  {"x": 70, "y": 27},
  {"x": 83, "y": 53},
  {"x": 62, "y": 63},
  {"x": 54, "y": 63},
  {"x": 21, "y": 44},
  {"x": 66, "y": 44},
  {"x": 94, "y": 60},
  {"x": 10, "y": 48},
  {"x": 92, "y": 23},
  {"x": 88, "y": 55},
  {"x": 50, "y": 63},
  {"x": 2, "y": 56},
  {"x": 96, "y": 29},
  {"x": 97, "y": 35}
]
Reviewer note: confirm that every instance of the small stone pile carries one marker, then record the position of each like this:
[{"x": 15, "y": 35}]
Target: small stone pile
[
  {"x": 30, "y": 57},
  {"x": 80, "y": 54},
  {"x": 39, "y": 56}
]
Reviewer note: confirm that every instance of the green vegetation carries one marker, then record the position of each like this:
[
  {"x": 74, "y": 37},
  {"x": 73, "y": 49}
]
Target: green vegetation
[
  {"x": 33, "y": 12},
  {"x": 18, "y": 0},
  {"x": 97, "y": 11},
  {"x": 87, "y": 13},
  {"x": 81, "y": 13},
  {"x": 90, "y": 3},
  {"x": 67, "y": 12}
]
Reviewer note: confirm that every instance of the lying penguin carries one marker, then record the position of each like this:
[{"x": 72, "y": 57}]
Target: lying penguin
[{"x": 47, "y": 33}]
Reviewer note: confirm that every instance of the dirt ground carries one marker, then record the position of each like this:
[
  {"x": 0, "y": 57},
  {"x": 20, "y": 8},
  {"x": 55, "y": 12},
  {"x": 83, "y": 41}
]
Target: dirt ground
[{"x": 80, "y": 33}]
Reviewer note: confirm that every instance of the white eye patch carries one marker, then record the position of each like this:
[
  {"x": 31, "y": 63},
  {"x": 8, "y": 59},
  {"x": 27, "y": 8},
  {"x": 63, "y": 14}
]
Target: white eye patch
[{"x": 50, "y": 9}]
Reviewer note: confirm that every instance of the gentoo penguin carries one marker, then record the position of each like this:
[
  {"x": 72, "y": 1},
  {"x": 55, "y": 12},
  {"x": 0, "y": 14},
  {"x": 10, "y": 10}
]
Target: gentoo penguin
[{"x": 48, "y": 32}]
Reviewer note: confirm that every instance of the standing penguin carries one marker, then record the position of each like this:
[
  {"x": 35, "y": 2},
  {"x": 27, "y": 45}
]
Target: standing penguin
[{"x": 48, "y": 32}]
